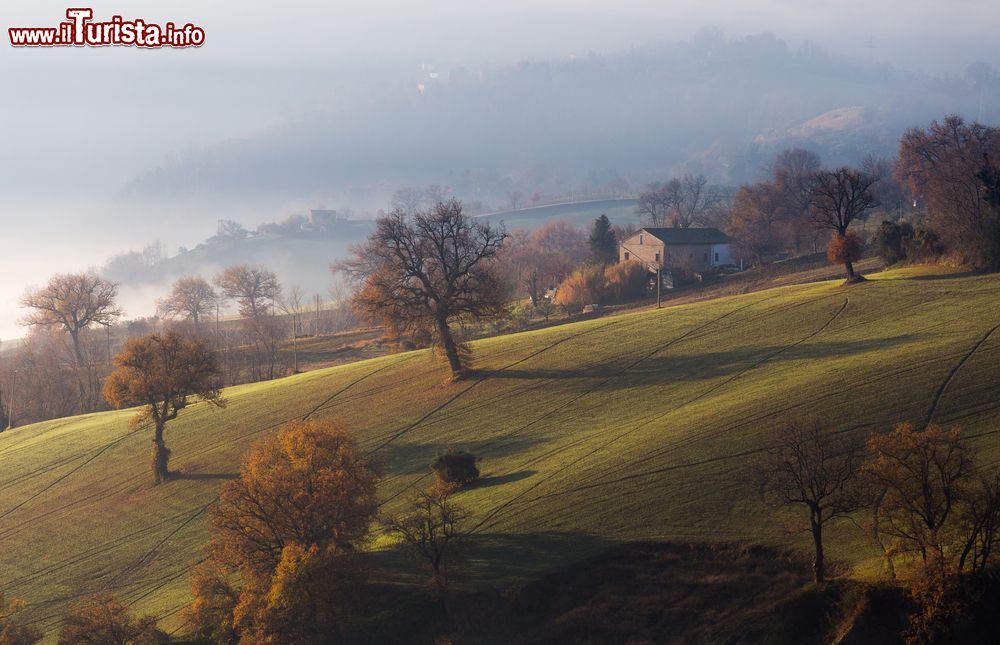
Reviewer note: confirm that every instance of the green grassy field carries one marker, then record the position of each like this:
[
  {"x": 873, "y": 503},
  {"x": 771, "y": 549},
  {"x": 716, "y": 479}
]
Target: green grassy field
[{"x": 625, "y": 427}]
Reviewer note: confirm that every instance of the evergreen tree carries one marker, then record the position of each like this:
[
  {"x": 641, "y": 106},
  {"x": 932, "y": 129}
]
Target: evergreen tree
[{"x": 603, "y": 244}]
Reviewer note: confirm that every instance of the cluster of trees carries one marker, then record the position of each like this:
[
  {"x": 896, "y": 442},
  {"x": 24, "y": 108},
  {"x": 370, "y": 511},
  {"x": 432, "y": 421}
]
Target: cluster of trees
[
  {"x": 285, "y": 561},
  {"x": 947, "y": 171},
  {"x": 423, "y": 271},
  {"x": 930, "y": 506},
  {"x": 679, "y": 203},
  {"x": 291, "y": 528},
  {"x": 75, "y": 325}
]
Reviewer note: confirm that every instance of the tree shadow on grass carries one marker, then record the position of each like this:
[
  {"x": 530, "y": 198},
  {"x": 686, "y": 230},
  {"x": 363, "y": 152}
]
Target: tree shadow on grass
[
  {"x": 500, "y": 480},
  {"x": 943, "y": 276},
  {"x": 203, "y": 476},
  {"x": 668, "y": 368},
  {"x": 416, "y": 458}
]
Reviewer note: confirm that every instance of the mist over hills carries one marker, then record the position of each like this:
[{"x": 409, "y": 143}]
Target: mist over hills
[{"x": 601, "y": 122}]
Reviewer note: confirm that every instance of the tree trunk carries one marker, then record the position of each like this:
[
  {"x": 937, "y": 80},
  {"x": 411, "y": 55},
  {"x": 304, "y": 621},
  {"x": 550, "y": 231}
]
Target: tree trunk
[
  {"x": 849, "y": 267},
  {"x": 819, "y": 572},
  {"x": 161, "y": 455},
  {"x": 448, "y": 343},
  {"x": 74, "y": 335}
]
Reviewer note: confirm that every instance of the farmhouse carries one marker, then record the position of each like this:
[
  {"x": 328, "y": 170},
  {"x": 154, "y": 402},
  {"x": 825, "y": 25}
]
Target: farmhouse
[{"x": 697, "y": 249}]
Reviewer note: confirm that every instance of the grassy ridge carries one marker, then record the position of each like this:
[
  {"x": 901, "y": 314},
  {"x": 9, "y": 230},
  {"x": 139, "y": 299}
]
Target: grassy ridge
[{"x": 635, "y": 426}]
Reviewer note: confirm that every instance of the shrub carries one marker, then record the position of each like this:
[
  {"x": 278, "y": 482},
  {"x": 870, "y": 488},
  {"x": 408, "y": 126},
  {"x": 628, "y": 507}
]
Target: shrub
[
  {"x": 456, "y": 468},
  {"x": 104, "y": 619},
  {"x": 11, "y": 633},
  {"x": 924, "y": 245},
  {"x": 891, "y": 240},
  {"x": 583, "y": 287},
  {"x": 625, "y": 281}
]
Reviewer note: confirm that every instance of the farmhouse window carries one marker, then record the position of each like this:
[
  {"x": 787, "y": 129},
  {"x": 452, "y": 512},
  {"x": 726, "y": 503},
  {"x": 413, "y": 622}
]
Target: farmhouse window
[
  {"x": 716, "y": 257},
  {"x": 640, "y": 238},
  {"x": 626, "y": 256},
  {"x": 657, "y": 257}
]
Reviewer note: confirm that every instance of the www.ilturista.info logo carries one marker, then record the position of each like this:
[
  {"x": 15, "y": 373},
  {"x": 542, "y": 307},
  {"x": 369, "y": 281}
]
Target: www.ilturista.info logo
[{"x": 80, "y": 30}]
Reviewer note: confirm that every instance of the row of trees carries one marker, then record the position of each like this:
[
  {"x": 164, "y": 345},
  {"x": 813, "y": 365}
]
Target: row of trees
[{"x": 75, "y": 322}]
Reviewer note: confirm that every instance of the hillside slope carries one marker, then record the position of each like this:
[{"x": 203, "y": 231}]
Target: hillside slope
[{"x": 629, "y": 427}]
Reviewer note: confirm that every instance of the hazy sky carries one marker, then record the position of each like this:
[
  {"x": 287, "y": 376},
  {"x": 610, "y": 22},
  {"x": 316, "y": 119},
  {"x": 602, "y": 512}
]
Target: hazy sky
[{"x": 79, "y": 123}]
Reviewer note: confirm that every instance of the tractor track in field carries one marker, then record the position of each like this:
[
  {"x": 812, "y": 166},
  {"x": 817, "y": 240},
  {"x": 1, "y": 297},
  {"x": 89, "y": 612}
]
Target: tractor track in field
[
  {"x": 687, "y": 441},
  {"x": 645, "y": 356},
  {"x": 396, "y": 435},
  {"x": 500, "y": 509},
  {"x": 936, "y": 400},
  {"x": 92, "y": 552},
  {"x": 62, "y": 477},
  {"x": 138, "y": 564}
]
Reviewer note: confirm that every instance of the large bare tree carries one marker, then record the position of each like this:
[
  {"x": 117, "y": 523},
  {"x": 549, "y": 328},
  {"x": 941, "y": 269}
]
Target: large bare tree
[
  {"x": 838, "y": 197},
  {"x": 192, "y": 298},
  {"x": 253, "y": 288},
  {"x": 680, "y": 203},
  {"x": 812, "y": 467},
  {"x": 418, "y": 273},
  {"x": 74, "y": 302}
]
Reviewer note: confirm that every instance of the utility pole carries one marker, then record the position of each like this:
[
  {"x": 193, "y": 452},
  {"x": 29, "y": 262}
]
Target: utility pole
[
  {"x": 107, "y": 328},
  {"x": 295, "y": 343},
  {"x": 659, "y": 281},
  {"x": 10, "y": 400}
]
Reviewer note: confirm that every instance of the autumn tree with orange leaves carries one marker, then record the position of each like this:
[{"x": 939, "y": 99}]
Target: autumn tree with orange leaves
[
  {"x": 290, "y": 525},
  {"x": 106, "y": 620},
  {"x": 13, "y": 632},
  {"x": 160, "y": 372}
]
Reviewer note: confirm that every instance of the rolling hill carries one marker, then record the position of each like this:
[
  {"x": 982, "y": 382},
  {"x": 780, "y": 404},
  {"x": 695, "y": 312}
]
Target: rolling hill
[{"x": 628, "y": 427}]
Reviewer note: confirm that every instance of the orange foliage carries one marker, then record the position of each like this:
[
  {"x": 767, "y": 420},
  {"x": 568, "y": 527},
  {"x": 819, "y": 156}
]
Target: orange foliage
[
  {"x": 160, "y": 372},
  {"x": 11, "y": 633},
  {"x": 290, "y": 525},
  {"x": 103, "y": 619},
  {"x": 844, "y": 248}
]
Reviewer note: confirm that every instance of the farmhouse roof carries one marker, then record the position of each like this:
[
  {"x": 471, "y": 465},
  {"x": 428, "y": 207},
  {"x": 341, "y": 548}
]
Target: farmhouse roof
[{"x": 688, "y": 235}]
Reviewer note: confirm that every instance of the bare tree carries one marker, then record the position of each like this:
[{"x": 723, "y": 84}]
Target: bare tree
[
  {"x": 254, "y": 288},
  {"x": 73, "y": 302},
  {"x": 944, "y": 166},
  {"x": 652, "y": 205},
  {"x": 419, "y": 273},
  {"x": 679, "y": 202},
  {"x": 838, "y": 197},
  {"x": 691, "y": 199},
  {"x": 435, "y": 194},
  {"x": 808, "y": 466},
  {"x": 407, "y": 199},
  {"x": 932, "y": 502},
  {"x": 192, "y": 298},
  {"x": 432, "y": 529},
  {"x": 290, "y": 304},
  {"x": 792, "y": 172}
]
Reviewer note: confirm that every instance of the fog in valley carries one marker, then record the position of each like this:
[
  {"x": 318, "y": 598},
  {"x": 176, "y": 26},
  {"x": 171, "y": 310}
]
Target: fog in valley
[{"x": 303, "y": 105}]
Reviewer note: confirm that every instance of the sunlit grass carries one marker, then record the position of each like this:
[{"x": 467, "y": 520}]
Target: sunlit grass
[{"x": 626, "y": 427}]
